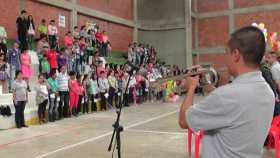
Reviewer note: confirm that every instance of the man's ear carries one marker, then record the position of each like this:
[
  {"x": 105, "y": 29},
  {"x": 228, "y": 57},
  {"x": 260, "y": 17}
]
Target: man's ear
[{"x": 236, "y": 55}]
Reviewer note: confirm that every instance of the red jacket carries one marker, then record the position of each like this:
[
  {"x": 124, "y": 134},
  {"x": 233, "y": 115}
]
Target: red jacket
[
  {"x": 99, "y": 36},
  {"x": 52, "y": 58}
]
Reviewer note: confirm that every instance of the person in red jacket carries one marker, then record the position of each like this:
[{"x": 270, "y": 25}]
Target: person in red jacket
[{"x": 52, "y": 58}]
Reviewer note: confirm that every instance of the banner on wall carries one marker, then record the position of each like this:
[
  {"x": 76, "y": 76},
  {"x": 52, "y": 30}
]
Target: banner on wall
[{"x": 61, "y": 20}]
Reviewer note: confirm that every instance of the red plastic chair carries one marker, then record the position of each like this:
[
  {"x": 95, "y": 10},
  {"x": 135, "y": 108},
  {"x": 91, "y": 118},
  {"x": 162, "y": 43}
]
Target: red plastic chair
[
  {"x": 274, "y": 136},
  {"x": 274, "y": 139},
  {"x": 276, "y": 121},
  {"x": 198, "y": 136}
]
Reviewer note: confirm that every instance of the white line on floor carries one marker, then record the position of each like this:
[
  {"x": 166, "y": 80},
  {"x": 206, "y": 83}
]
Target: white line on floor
[
  {"x": 155, "y": 132},
  {"x": 104, "y": 135}
]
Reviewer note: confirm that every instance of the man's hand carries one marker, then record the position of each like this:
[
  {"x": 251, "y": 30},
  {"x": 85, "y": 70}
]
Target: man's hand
[{"x": 192, "y": 82}]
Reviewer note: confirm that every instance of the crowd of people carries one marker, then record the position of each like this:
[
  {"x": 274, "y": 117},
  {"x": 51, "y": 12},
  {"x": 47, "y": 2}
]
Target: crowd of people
[{"x": 73, "y": 75}]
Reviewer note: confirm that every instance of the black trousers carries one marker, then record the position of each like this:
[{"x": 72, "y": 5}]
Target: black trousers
[
  {"x": 111, "y": 95},
  {"x": 22, "y": 36},
  {"x": 3, "y": 47},
  {"x": 80, "y": 104},
  {"x": 103, "y": 101},
  {"x": 93, "y": 103},
  {"x": 63, "y": 107},
  {"x": 130, "y": 99},
  {"x": 19, "y": 116},
  {"x": 126, "y": 99},
  {"x": 42, "y": 109},
  {"x": 85, "y": 104},
  {"x": 52, "y": 109},
  {"x": 52, "y": 41}
]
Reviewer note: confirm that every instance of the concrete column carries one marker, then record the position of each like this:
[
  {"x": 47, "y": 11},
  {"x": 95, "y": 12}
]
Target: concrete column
[
  {"x": 135, "y": 18},
  {"x": 195, "y": 10},
  {"x": 188, "y": 33},
  {"x": 74, "y": 16},
  {"x": 231, "y": 16},
  {"x": 21, "y": 5}
]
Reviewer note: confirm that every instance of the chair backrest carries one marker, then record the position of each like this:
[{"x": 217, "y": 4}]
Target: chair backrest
[{"x": 276, "y": 121}]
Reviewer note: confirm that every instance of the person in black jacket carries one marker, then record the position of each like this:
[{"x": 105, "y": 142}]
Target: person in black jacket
[
  {"x": 22, "y": 29},
  {"x": 267, "y": 75},
  {"x": 30, "y": 31}
]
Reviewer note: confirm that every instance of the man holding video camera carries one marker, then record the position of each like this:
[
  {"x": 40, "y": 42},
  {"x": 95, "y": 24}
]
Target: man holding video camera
[{"x": 236, "y": 117}]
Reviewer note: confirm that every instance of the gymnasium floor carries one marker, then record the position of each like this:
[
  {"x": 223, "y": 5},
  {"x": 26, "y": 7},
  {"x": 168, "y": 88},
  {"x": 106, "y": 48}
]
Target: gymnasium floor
[{"x": 151, "y": 131}]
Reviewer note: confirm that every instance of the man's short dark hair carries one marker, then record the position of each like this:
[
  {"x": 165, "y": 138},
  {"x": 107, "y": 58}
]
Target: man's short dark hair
[
  {"x": 250, "y": 42},
  {"x": 23, "y": 12}
]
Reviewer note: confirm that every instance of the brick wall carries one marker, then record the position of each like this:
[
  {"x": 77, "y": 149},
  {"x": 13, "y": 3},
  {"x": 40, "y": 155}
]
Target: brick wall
[
  {"x": 9, "y": 12},
  {"x": 270, "y": 18},
  {"x": 250, "y": 3},
  {"x": 120, "y": 8},
  {"x": 39, "y": 11},
  {"x": 212, "y": 5},
  {"x": 214, "y": 31},
  {"x": 120, "y": 36}
]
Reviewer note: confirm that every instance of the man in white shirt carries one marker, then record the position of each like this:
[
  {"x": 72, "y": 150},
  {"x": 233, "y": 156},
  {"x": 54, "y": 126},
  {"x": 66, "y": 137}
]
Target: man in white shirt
[{"x": 236, "y": 117}]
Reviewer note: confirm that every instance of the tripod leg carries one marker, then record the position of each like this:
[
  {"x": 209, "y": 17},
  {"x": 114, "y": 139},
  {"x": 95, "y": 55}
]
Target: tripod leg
[
  {"x": 112, "y": 140},
  {"x": 118, "y": 137}
]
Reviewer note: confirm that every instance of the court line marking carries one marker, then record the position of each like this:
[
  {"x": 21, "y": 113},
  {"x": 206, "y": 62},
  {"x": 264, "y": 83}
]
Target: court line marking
[
  {"x": 156, "y": 132},
  {"x": 104, "y": 135},
  {"x": 51, "y": 133}
]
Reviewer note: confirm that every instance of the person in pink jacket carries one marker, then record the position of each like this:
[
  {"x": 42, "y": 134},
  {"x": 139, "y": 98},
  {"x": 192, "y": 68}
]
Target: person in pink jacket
[
  {"x": 68, "y": 39},
  {"x": 81, "y": 92},
  {"x": 26, "y": 69},
  {"x": 73, "y": 93}
]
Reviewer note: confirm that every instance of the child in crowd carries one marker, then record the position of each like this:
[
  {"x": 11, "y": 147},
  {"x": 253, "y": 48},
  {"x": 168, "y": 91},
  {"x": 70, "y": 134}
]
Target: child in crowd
[
  {"x": 85, "y": 94},
  {"x": 80, "y": 91},
  {"x": 62, "y": 58},
  {"x": 125, "y": 89},
  {"x": 42, "y": 28},
  {"x": 104, "y": 88},
  {"x": 73, "y": 94},
  {"x": 68, "y": 39},
  {"x": 45, "y": 66},
  {"x": 52, "y": 58},
  {"x": 63, "y": 89},
  {"x": 13, "y": 59},
  {"x": 42, "y": 98},
  {"x": 4, "y": 74},
  {"x": 113, "y": 87},
  {"x": 52, "y": 32},
  {"x": 77, "y": 57},
  {"x": 92, "y": 91},
  {"x": 53, "y": 96}
]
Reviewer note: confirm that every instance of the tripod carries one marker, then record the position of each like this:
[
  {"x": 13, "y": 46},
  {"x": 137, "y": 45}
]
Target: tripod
[{"x": 117, "y": 127}]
